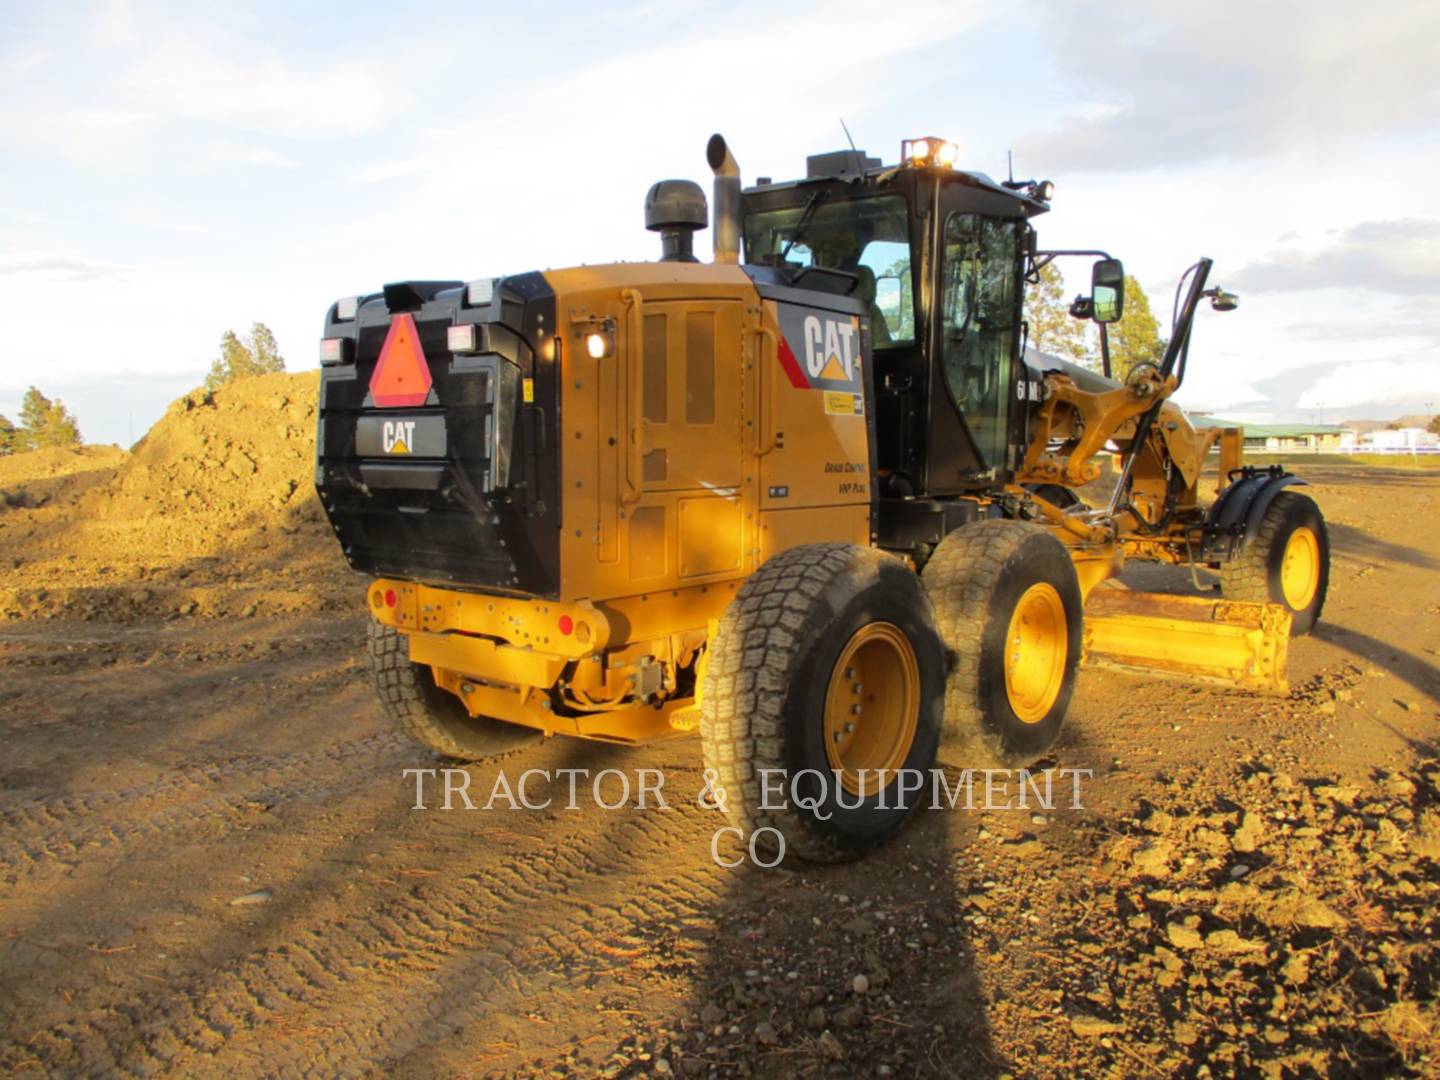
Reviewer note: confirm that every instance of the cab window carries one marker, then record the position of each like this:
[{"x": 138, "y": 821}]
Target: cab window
[
  {"x": 981, "y": 317},
  {"x": 868, "y": 237}
]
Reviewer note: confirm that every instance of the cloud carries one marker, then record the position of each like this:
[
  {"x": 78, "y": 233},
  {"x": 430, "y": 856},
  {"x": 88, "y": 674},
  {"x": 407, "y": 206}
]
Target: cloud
[
  {"x": 148, "y": 88},
  {"x": 1399, "y": 257},
  {"x": 1414, "y": 317},
  {"x": 493, "y": 161},
  {"x": 1404, "y": 382},
  {"x": 1166, "y": 84},
  {"x": 60, "y": 268}
]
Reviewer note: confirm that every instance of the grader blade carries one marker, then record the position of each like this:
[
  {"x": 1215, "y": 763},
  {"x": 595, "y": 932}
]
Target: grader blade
[{"x": 1228, "y": 642}]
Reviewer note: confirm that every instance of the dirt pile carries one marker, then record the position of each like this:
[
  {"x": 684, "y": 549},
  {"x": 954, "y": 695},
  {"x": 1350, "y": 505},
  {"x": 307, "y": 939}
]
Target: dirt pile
[
  {"x": 212, "y": 512},
  {"x": 232, "y": 458},
  {"x": 34, "y": 479}
]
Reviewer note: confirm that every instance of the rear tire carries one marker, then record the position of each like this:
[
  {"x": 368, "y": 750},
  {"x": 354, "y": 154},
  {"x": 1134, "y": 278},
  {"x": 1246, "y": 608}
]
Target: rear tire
[
  {"x": 826, "y": 663},
  {"x": 991, "y": 583},
  {"x": 429, "y": 715},
  {"x": 1286, "y": 562}
]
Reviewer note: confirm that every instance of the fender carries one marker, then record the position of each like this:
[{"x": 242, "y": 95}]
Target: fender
[{"x": 1240, "y": 507}]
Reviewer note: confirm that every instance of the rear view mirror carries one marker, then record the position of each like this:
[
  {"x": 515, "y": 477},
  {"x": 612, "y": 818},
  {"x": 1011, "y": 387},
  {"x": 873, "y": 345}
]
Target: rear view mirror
[
  {"x": 887, "y": 297},
  {"x": 1107, "y": 290}
]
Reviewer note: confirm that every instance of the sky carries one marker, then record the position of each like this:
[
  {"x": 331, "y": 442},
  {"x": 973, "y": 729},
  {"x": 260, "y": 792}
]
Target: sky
[{"x": 171, "y": 171}]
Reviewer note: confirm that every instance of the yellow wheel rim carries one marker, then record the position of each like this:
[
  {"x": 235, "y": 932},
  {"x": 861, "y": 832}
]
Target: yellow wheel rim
[
  {"x": 872, "y": 707},
  {"x": 1036, "y": 645},
  {"x": 1300, "y": 568}
]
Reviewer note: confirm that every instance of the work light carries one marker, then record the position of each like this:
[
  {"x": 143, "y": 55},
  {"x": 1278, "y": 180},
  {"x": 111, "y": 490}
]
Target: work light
[
  {"x": 462, "y": 339},
  {"x": 598, "y": 344},
  {"x": 479, "y": 293},
  {"x": 929, "y": 151},
  {"x": 333, "y": 350}
]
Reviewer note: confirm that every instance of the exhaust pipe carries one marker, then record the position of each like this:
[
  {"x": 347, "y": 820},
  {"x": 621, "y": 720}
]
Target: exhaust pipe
[{"x": 727, "y": 200}]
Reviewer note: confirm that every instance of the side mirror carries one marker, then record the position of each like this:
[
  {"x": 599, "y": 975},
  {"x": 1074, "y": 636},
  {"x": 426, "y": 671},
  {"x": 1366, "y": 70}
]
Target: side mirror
[
  {"x": 887, "y": 296},
  {"x": 1107, "y": 290}
]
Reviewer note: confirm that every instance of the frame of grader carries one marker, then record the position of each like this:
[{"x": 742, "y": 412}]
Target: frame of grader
[{"x": 820, "y": 505}]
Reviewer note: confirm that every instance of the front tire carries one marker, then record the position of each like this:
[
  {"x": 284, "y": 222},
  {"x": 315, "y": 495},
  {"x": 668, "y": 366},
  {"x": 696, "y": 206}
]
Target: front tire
[
  {"x": 826, "y": 669},
  {"x": 430, "y": 715},
  {"x": 1286, "y": 562},
  {"x": 1008, "y": 606}
]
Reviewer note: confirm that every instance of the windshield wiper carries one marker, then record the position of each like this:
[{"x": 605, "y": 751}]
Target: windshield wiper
[{"x": 805, "y": 215}]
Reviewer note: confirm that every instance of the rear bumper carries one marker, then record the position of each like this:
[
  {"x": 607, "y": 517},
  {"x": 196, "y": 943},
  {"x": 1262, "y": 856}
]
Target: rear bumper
[{"x": 528, "y": 661}]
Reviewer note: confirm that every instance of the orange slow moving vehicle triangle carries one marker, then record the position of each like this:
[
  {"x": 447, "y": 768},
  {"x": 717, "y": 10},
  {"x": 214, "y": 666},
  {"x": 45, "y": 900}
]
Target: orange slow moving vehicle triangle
[{"x": 402, "y": 377}]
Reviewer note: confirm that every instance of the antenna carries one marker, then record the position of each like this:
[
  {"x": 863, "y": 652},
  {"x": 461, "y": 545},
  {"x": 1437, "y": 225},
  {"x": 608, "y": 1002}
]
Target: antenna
[
  {"x": 847, "y": 135},
  {"x": 1010, "y": 164}
]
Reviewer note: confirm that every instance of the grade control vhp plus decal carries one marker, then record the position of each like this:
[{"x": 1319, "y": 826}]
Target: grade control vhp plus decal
[{"x": 820, "y": 350}]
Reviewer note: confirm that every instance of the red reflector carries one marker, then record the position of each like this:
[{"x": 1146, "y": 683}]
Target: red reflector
[
  {"x": 567, "y": 624},
  {"x": 401, "y": 376},
  {"x": 389, "y": 597}
]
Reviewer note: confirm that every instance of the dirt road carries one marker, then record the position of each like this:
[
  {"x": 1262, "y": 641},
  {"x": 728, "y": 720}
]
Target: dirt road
[{"x": 210, "y": 865}]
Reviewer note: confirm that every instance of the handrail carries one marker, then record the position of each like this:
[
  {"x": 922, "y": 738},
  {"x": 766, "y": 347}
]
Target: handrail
[
  {"x": 764, "y": 396},
  {"x": 634, "y": 408}
]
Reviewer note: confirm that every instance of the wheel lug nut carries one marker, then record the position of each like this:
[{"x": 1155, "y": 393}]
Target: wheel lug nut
[
  {"x": 849, "y": 728},
  {"x": 854, "y": 710},
  {"x": 857, "y": 688},
  {"x": 849, "y": 673},
  {"x": 837, "y": 736}
]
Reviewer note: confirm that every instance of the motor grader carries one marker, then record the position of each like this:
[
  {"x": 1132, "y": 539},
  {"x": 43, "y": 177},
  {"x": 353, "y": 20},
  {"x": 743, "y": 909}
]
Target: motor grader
[{"x": 814, "y": 498}]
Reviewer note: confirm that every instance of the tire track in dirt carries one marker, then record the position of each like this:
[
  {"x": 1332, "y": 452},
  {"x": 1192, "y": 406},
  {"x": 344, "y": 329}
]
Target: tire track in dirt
[
  {"x": 67, "y": 827},
  {"x": 377, "y": 986},
  {"x": 251, "y": 670}
]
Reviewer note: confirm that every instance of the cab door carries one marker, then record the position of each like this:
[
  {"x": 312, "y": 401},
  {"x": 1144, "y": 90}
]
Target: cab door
[
  {"x": 976, "y": 346},
  {"x": 980, "y": 321}
]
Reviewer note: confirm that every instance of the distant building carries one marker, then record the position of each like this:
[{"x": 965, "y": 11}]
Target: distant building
[
  {"x": 1408, "y": 438},
  {"x": 1284, "y": 438},
  {"x": 1294, "y": 438}
]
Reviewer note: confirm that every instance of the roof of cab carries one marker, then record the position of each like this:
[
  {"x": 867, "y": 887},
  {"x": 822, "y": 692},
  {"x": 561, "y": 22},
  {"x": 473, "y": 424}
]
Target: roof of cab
[{"x": 885, "y": 172}]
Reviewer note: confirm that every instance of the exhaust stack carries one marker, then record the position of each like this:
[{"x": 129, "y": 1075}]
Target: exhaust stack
[{"x": 727, "y": 199}]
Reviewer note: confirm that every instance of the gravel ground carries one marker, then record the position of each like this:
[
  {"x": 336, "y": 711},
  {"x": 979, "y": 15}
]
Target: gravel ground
[{"x": 209, "y": 865}]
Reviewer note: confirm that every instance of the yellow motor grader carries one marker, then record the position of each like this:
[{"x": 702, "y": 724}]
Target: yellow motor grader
[{"x": 814, "y": 498}]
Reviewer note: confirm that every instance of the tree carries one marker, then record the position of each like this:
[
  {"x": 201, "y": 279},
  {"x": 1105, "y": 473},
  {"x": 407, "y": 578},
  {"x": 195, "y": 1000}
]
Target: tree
[
  {"x": 45, "y": 423},
  {"x": 1433, "y": 428},
  {"x": 255, "y": 354},
  {"x": 1052, "y": 330},
  {"x": 1135, "y": 339},
  {"x": 9, "y": 436}
]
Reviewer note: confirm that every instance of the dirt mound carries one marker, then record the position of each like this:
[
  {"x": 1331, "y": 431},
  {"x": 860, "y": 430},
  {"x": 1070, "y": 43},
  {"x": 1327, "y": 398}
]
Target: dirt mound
[
  {"x": 213, "y": 511},
  {"x": 38, "y": 477},
  {"x": 17, "y": 470},
  {"x": 230, "y": 457}
]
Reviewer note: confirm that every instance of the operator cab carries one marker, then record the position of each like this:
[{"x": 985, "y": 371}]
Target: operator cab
[{"x": 939, "y": 257}]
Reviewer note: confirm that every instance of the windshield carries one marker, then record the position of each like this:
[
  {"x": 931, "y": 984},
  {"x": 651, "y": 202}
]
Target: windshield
[{"x": 868, "y": 237}]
